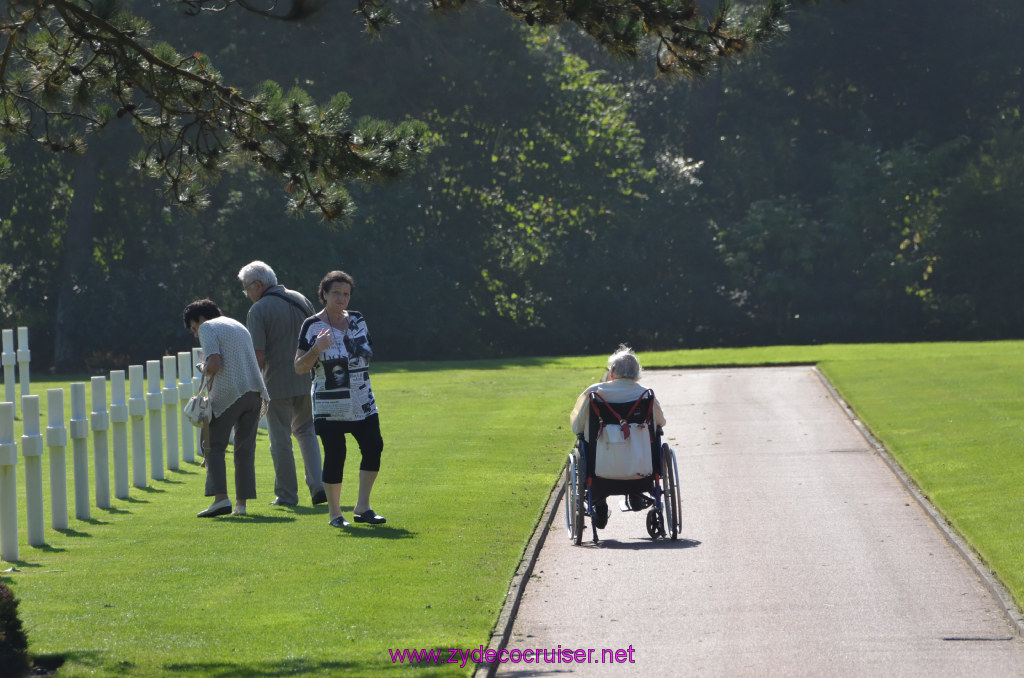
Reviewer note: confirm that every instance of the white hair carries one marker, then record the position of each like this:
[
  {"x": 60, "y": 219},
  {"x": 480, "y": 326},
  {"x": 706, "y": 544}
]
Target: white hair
[
  {"x": 257, "y": 271},
  {"x": 624, "y": 363}
]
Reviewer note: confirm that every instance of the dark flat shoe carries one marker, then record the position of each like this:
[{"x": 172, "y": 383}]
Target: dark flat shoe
[
  {"x": 339, "y": 522},
  {"x": 601, "y": 515},
  {"x": 220, "y": 508},
  {"x": 369, "y": 516},
  {"x": 320, "y": 498}
]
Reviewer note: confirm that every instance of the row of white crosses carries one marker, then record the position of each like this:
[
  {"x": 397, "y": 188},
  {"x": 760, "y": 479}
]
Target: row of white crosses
[{"x": 145, "y": 395}]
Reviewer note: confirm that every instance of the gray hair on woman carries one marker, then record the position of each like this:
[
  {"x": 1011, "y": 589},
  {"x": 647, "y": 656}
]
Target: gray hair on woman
[
  {"x": 257, "y": 271},
  {"x": 624, "y": 363}
]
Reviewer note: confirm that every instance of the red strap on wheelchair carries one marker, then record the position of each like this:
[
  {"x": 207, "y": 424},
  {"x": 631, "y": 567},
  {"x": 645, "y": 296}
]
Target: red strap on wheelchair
[{"x": 623, "y": 423}]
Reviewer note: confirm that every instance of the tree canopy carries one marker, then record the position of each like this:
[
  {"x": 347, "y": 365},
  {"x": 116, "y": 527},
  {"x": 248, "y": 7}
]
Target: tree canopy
[
  {"x": 69, "y": 67},
  {"x": 856, "y": 181}
]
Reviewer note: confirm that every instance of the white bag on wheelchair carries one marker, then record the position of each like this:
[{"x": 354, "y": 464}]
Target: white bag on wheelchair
[{"x": 621, "y": 456}]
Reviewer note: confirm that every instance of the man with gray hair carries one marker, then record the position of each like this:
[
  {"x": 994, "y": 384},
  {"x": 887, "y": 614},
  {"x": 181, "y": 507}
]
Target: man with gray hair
[{"x": 274, "y": 321}]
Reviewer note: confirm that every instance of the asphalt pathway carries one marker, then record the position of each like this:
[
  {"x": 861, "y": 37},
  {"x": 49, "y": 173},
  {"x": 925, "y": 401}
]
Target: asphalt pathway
[{"x": 802, "y": 554}]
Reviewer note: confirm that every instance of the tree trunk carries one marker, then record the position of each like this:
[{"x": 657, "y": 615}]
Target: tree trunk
[{"x": 67, "y": 355}]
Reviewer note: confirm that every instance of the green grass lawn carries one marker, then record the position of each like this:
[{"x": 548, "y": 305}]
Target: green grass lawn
[
  {"x": 147, "y": 589},
  {"x": 472, "y": 452}
]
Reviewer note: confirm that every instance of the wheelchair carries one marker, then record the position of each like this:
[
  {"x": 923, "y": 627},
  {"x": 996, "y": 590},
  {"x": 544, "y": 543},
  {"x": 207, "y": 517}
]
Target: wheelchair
[{"x": 658, "y": 484}]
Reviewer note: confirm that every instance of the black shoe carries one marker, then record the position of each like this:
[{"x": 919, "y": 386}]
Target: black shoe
[
  {"x": 281, "y": 502},
  {"x": 320, "y": 498},
  {"x": 600, "y": 516},
  {"x": 637, "y": 501},
  {"x": 369, "y": 516}
]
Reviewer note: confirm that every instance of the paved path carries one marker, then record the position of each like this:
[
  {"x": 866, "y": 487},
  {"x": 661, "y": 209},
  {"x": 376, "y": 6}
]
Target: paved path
[{"x": 802, "y": 554}]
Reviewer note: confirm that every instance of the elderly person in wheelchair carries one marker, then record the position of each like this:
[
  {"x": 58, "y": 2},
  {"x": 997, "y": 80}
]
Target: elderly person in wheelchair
[{"x": 618, "y": 423}]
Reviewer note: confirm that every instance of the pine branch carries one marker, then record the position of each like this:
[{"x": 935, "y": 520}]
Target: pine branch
[
  {"x": 79, "y": 70},
  {"x": 68, "y": 68}
]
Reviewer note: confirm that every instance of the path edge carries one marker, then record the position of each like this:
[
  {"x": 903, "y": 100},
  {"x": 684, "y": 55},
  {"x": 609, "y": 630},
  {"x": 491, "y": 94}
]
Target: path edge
[
  {"x": 506, "y": 618},
  {"x": 987, "y": 577}
]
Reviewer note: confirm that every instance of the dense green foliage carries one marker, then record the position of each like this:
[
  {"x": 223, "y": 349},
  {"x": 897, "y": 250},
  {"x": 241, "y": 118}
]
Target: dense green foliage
[
  {"x": 69, "y": 68},
  {"x": 878, "y": 206},
  {"x": 859, "y": 180}
]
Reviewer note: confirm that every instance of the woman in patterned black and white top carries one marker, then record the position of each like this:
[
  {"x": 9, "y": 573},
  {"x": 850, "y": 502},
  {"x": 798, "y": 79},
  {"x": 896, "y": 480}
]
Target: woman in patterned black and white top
[{"x": 335, "y": 344}]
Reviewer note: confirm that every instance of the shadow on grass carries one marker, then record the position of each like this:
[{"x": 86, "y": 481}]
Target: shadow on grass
[
  {"x": 114, "y": 510},
  {"x": 50, "y": 664},
  {"x": 255, "y": 518},
  {"x": 46, "y": 548},
  {"x": 46, "y": 665},
  {"x": 183, "y": 471},
  {"x": 148, "y": 488},
  {"x": 97, "y": 662},
  {"x": 214, "y": 669},
  {"x": 376, "y": 532},
  {"x": 69, "y": 532},
  {"x": 16, "y": 566},
  {"x": 92, "y": 521},
  {"x": 301, "y": 510},
  {"x": 285, "y": 667}
]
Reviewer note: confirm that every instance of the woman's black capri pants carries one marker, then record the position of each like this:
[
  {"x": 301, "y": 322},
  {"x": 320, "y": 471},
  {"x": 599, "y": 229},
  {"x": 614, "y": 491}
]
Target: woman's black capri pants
[{"x": 332, "y": 437}]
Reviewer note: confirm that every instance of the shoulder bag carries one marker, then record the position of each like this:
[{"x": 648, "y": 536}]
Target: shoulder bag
[{"x": 199, "y": 408}]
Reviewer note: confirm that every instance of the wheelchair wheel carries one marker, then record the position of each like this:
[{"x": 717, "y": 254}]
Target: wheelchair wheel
[
  {"x": 655, "y": 524},
  {"x": 670, "y": 478},
  {"x": 573, "y": 499}
]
